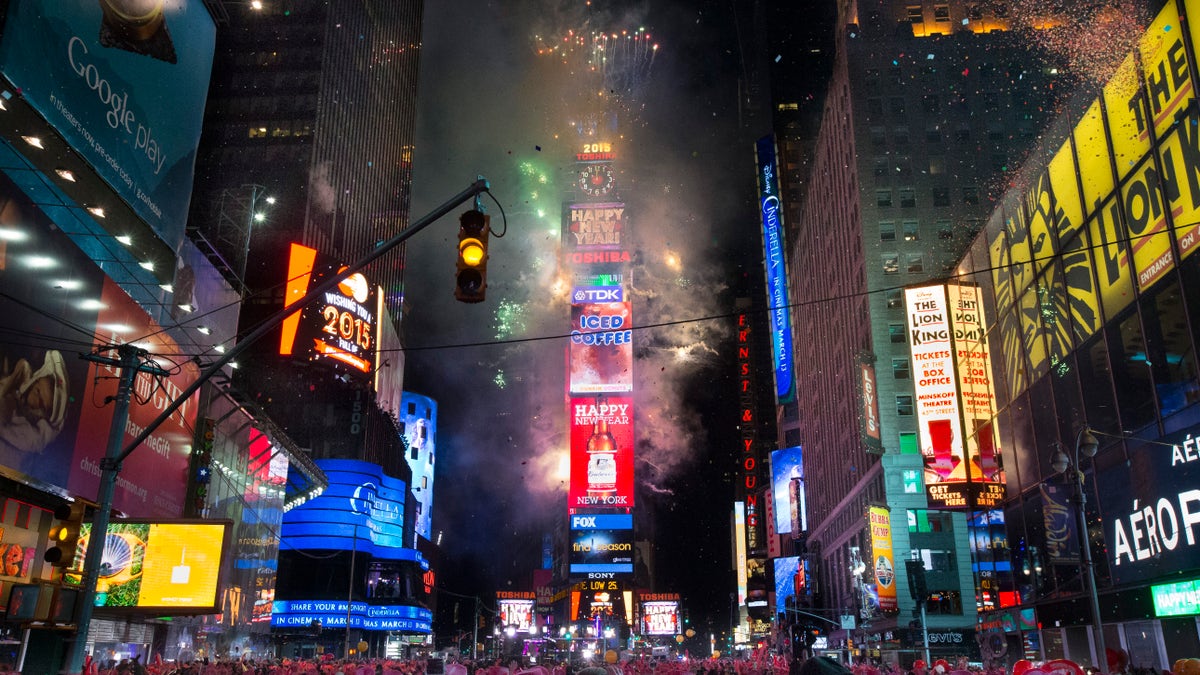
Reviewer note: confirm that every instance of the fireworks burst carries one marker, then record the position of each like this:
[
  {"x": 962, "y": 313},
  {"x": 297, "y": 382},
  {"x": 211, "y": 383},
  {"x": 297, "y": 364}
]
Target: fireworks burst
[{"x": 616, "y": 61}]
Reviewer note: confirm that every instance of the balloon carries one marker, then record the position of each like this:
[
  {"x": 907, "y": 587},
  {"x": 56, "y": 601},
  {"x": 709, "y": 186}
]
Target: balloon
[
  {"x": 941, "y": 666},
  {"x": 1065, "y": 666},
  {"x": 1189, "y": 667},
  {"x": 610, "y": 656},
  {"x": 919, "y": 664},
  {"x": 1021, "y": 666}
]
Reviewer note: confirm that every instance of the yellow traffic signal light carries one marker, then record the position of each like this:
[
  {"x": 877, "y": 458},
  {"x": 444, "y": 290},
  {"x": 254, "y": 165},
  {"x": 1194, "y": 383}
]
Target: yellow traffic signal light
[
  {"x": 470, "y": 281},
  {"x": 64, "y": 534}
]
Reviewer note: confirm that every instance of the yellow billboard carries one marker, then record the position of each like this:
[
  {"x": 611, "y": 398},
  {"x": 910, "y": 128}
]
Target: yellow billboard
[
  {"x": 157, "y": 565},
  {"x": 883, "y": 561}
]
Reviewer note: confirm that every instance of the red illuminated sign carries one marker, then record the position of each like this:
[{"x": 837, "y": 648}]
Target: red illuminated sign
[
  {"x": 601, "y": 452},
  {"x": 748, "y": 455}
]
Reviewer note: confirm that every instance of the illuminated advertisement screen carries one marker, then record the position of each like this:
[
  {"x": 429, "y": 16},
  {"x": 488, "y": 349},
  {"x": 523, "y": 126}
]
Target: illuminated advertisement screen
[
  {"x": 976, "y": 396},
  {"x": 660, "y": 617},
  {"x": 339, "y": 327},
  {"x": 418, "y": 419},
  {"x": 787, "y": 489},
  {"x": 517, "y": 614},
  {"x": 159, "y": 565},
  {"x": 883, "y": 561},
  {"x": 596, "y": 550},
  {"x": 1179, "y": 599},
  {"x": 601, "y": 452},
  {"x": 594, "y": 227},
  {"x": 601, "y": 351},
  {"x": 361, "y": 510},
  {"x": 937, "y": 408},
  {"x": 739, "y": 550},
  {"x": 786, "y": 592},
  {"x": 332, "y": 614},
  {"x": 127, "y": 93},
  {"x": 776, "y": 269}
]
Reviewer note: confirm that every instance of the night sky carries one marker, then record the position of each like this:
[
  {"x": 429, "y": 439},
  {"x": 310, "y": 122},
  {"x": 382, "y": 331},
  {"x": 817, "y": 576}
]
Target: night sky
[{"x": 490, "y": 105}]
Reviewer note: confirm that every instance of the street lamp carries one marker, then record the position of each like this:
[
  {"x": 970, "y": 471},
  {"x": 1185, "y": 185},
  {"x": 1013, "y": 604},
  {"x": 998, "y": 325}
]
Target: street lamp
[{"x": 1086, "y": 443}]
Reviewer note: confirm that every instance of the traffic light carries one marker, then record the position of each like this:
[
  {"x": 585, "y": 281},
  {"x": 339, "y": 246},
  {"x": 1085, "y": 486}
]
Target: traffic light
[
  {"x": 64, "y": 534},
  {"x": 470, "y": 281},
  {"x": 916, "y": 579}
]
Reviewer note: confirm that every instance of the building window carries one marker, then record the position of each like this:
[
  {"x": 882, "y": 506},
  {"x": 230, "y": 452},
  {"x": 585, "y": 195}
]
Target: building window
[
  {"x": 903, "y": 166},
  {"x": 887, "y": 230},
  {"x": 900, "y": 137},
  {"x": 914, "y": 14},
  {"x": 878, "y": 137},
  {"x": 908, "y": 198},
  {"x": 883, "y": 197},
  {"x": 896, "y": 333},
  {"x": 895, "y": 298},
  {"x": 999, "y": 162},
  {"x": 933, "y": 136},
  {"x": 911, "y": 230},
  {"x": 941, "y": 196},
  {"x": 904, "y": 405},
  {"x": 909, "y": 445},
  {"x": 931, "y": 103},
  {"x": 916, "y": 263},
  {"x": 897, "y": 105},
  {"x": 962, "y": 134},
  {"x": 895, "y": 75},
  {"x": 872, "y": 76},
  {"x": 900, "y": 369},
  {"x": 875, "y": 106},
  {"x": 970, "y": 194},
  {"x": 941, "y": 12},
  {"x": 937, "y": 165},
  {"x": 945, "y": 229},
  {"x": 891, "y": 263}
]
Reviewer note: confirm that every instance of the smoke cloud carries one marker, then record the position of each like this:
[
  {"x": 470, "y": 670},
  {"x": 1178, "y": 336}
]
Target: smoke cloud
[{"x": 491, "y": 104}]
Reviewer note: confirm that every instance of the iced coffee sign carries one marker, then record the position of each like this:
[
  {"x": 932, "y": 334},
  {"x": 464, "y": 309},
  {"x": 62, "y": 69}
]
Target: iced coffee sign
[{"x": 936, "y": 396}]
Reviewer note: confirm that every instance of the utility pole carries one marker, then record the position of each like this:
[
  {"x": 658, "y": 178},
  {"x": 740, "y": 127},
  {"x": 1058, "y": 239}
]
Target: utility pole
[
  {"x": 131, "y": 361},
  {"x": 110, "y": 466}
]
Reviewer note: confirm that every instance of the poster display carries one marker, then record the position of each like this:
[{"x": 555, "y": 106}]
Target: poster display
[{"x": 602, "y": 445}]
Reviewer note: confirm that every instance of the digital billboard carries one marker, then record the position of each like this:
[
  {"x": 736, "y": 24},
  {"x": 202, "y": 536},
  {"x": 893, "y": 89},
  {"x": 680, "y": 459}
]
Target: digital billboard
[
  {"x": 601, "y": 551},
  {"x": 300, "y": 614},
  {"x": 938, "y": 417},
  {"x": 157, "y": 565},
  {"x": 601, "y": 348},
  {"x": 362, "y": 510},
  {"x": 660, "y": 617},
  {"x": 883, "y": 560},
  {"x": 1117, "y": 210},
  {"x": 787, "y": 489},
  {"x": 973, "y": 366},
  {"x": 601, "y": 452},
  {"x": 594, "y": 227},
  {"x": 771, "y": 212},
  {"x": 341, "y": 327},
  {"x": 418, "y": 419},
  {"x": 786, "y": 593},
  {"x": 125, "y": 88},
  {"x": 516, "y": 609}
]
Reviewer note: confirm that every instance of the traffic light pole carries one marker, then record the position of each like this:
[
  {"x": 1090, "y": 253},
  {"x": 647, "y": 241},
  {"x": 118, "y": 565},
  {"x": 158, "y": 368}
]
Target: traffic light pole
[{"x": 130, "y": 365}]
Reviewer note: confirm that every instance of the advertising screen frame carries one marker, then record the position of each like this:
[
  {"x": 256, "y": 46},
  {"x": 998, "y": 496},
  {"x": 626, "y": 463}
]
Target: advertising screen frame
[{"x": 73, "y": 578}]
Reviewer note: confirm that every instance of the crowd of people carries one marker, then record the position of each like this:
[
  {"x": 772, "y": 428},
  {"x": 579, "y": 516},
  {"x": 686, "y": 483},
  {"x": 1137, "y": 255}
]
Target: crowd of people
[{"x": 761, "y": 663}]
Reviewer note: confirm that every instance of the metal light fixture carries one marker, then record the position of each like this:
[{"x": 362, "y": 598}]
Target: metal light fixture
[{"x": 1086, "y": 443}]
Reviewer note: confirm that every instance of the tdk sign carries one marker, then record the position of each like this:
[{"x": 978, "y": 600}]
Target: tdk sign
[
  {"x": 583, "y": 294},
  {"x": 615, "y": 521}
]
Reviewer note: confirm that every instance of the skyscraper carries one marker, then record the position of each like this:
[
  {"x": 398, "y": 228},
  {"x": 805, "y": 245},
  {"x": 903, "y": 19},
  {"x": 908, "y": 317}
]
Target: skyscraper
[{"x": 930, "y": 106}]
